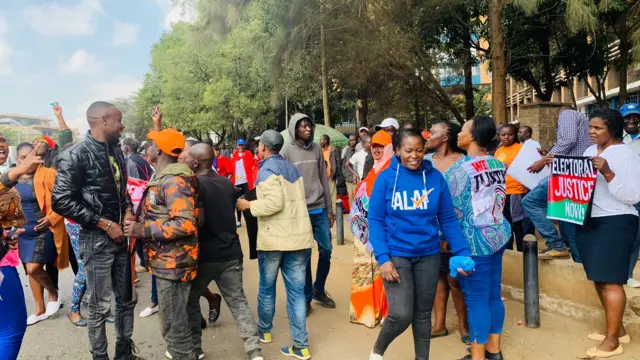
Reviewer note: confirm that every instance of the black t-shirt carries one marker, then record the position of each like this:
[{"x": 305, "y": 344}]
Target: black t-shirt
[{"x": 218, "y": 237}]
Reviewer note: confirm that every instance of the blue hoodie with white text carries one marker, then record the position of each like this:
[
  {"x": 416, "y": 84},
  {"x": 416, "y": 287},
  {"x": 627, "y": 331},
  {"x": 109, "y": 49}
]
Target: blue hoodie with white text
[{"x": 406, "y": 210}]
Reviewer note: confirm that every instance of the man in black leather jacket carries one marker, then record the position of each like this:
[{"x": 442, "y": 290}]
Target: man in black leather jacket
[{"x": 91, "y": 189}]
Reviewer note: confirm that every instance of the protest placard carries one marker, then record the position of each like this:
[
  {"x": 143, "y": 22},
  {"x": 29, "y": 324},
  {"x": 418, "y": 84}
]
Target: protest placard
[{"x": 571, "y": 185}]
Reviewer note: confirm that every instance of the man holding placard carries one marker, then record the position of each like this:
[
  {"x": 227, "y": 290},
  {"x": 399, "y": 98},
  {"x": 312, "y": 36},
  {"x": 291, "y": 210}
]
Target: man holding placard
[{"x": 572, "y": 140}]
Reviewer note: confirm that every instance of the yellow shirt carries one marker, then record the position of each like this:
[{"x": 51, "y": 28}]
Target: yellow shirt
[{"x": 506, "y": 154}]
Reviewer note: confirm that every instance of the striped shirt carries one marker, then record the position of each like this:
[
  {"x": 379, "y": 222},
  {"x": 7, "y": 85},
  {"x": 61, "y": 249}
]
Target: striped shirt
[{"x": 572, "y": 134}]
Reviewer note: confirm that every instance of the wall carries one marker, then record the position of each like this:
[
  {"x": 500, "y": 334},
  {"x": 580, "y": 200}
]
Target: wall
[{"x": 543, "y": 119}]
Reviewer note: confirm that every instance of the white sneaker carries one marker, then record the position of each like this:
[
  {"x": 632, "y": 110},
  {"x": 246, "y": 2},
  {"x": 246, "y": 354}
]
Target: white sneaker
[
  {"x": 52, "y": 307},
  {"x": 633, "y": 283},
  {"x": 149, "y": 311},
  {"x": 258, "y": 358},
  {"x": 238, "y": 224},
  {"x": 200, "y": 356},
  {"x": 375, "y": 357},
  {"x": 34, "y": 319}
]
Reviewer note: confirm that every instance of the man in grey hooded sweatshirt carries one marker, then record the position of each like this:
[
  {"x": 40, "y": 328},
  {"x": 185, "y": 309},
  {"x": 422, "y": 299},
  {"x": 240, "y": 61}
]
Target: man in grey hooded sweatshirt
[{"x": 307, "y": 156}]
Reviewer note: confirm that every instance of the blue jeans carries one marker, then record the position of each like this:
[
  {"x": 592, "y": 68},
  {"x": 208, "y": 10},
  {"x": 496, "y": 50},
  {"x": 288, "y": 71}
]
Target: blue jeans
[
  {"x": 535, "y": 205},
  {"x": 154, "y": 291},
  {"x": 13, "y": 322},
  {"x": 636, "y": 249},
  {"x": 293, "y": 265},
  {"x": 322, "y": 235},
  {"x": 485, "y": 309}
]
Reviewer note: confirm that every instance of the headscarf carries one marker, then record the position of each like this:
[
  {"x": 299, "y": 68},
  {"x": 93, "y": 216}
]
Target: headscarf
[
  {"x": 11, "y": 214},
  {"x": 382, "y": 138},
  {"x": 360, "y": 205},
  {"x": 49, "y": 141}
]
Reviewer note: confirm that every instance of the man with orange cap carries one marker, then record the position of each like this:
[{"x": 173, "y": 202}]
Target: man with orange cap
[{"x": 168, "y": 224}]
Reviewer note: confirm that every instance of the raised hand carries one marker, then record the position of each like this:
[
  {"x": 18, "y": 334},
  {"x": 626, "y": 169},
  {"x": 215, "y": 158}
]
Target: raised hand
[{"x": 57, "y": 109}]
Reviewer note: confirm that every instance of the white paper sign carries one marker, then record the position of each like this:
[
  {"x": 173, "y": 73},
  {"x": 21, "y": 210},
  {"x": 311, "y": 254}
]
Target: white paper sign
[{"x": 525, "y": 158}]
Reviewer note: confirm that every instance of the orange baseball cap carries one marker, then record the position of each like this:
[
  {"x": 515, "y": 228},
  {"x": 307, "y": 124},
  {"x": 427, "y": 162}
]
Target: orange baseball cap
[
  {"x": 170, "y": 141},
  {"x": 381, "y": 138}
]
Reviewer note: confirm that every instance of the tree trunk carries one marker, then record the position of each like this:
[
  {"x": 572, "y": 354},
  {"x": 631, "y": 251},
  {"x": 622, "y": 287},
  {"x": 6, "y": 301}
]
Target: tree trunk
[
  {"x": 325, "y": 90},
  {"x": 469, "y": 62},
  {"x": 365, "y": 109},
  {"x": 549, "y": 76},
  {"x": 498, "y": 63},
  {"x": 624, "y": 57},
  {"x": 574, "y": 101}
]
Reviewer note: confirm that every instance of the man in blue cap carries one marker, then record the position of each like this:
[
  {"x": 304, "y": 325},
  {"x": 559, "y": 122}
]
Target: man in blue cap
[{"x": 631, "y": 114}]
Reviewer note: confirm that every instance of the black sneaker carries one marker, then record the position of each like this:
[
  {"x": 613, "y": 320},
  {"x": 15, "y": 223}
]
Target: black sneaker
[
  {"x": 308, "y": 309},
  {"x": 203, "y": 322},
  {"x": 214, "y": 309},
  {"x": 324, "y": 299},
  {"x": 126, "y": 350}
]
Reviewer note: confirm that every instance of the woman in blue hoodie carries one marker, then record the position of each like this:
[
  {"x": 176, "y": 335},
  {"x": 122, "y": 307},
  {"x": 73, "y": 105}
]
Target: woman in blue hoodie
[{"x": 409, "y": 203}]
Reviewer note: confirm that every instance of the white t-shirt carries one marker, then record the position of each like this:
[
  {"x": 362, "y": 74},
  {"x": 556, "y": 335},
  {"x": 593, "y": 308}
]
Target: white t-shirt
[
  {"x": 618, "y": 196},
  {"x": 357, "y": 160},
  {"x": 241, "y": 175}
]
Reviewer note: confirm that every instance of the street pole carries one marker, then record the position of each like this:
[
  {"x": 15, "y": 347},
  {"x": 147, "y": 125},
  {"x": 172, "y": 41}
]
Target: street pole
[{"x": 531, "y": 282}]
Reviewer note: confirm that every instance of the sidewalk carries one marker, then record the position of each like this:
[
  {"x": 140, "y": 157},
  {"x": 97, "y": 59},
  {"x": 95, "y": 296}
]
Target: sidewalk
[{"x": 332, "y": 337}]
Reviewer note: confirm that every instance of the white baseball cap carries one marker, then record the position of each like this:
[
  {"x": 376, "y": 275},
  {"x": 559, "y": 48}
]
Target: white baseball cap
[
  {"x": 387, "y": 123},
  {"x": 364, "y": 128}
]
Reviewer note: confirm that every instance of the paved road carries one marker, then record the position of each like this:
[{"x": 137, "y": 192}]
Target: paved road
[{"x": 332, "y": 337}]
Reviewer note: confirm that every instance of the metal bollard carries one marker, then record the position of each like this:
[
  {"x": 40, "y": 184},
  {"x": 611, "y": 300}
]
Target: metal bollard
[
  {"x": 340, "y": 222},
  {"x": 531, "y": 282}
]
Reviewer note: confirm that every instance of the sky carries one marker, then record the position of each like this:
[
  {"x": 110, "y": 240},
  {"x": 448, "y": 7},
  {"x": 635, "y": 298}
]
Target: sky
[{"x": 76, "y": 52}]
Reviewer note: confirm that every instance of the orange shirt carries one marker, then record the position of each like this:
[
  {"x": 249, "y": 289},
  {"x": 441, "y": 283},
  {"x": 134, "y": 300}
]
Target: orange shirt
[
  {"x": 327, "y": 157},
  {"x": 506, "y": 154}
]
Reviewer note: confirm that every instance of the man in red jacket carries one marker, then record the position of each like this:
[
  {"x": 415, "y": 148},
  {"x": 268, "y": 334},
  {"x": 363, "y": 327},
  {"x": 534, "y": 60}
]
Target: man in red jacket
[
  {"x": 222, "y": 164},
  {"x": 243, "y": 176}
]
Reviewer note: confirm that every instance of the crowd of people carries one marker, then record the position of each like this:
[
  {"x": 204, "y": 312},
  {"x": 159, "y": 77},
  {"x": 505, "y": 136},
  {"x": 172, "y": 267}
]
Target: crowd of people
[{"x": 432, "y": 213}]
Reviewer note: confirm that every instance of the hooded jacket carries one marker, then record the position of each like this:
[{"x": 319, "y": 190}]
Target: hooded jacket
[
  {"x": 310, "y": 162},
  {"x": 281, "y": 209},
  {"x": 406, "y": 210},
  {"x": 249, "y": 167},
  {"x": 170, "y": 218}
]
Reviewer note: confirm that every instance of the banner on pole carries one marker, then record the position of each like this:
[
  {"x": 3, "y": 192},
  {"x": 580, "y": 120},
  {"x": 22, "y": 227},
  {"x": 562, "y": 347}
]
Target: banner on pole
[{"x": 571, "y": 185}]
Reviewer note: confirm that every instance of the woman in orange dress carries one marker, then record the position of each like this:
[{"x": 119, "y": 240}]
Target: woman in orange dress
[{"x": 368, "y": 299}]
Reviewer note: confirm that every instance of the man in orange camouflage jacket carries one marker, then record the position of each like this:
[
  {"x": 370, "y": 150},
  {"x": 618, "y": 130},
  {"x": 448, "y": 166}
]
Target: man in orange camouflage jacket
[{"x": 168, "y": 225}]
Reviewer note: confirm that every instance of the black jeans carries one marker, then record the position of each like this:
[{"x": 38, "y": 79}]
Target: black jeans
[
  {"x": 252, "y": 224},
  {"x": 410, "y": 303},
  {"x": 516, "y": 227}
]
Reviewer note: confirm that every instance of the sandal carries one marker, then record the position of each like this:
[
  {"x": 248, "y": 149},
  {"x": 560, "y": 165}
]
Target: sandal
[
  {"x": 594, "y": 352},
  {"x": 466, "y": 339},
  {"x": 435, "y": 336},
  {"x": 600, "y": 337}
]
